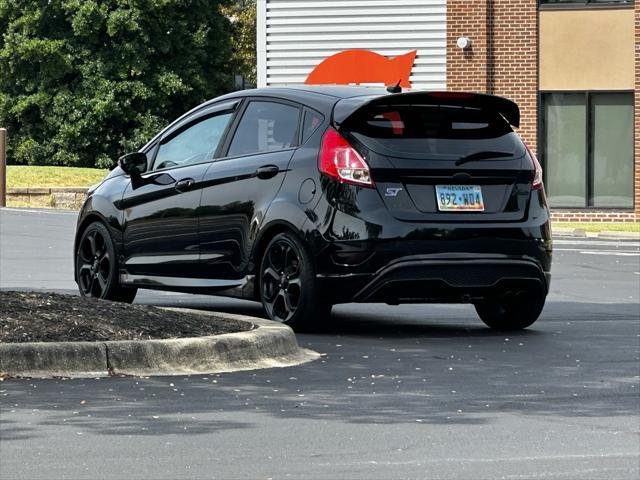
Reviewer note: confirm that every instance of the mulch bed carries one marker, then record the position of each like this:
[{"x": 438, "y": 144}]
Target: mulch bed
[{"x": 51, "y": 317}]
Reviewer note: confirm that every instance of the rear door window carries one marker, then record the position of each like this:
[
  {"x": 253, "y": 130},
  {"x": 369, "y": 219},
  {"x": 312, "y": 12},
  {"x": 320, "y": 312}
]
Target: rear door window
[
  {"x": 265, "y": 127},
  {"x": 433, "y": 130}
]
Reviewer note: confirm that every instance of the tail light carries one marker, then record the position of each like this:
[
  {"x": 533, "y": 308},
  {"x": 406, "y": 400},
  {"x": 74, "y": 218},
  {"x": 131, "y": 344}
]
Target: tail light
[
  {"x": 340, "y": 161},
  {"x": 537, "y": 170}
]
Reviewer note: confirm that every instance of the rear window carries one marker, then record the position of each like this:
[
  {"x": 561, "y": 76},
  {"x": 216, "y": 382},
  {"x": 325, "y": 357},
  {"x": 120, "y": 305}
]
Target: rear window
[{"x": 434, "y": 130}]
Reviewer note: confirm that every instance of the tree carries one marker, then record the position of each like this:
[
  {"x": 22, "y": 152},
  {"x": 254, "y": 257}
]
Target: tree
[
  {"x": 243, "y": 19},
  {"x": 84, "y": 81}
]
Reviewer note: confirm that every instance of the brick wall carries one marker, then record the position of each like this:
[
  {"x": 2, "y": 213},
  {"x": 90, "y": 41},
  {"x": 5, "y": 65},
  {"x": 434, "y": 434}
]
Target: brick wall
[
  {"x": 503, "y": 60},
  {"x": 467, "y": 70},
  {"x": 515, "y": 59},
  {"x": 593, "y": 216},
  {"x": 636, "y": 153}
]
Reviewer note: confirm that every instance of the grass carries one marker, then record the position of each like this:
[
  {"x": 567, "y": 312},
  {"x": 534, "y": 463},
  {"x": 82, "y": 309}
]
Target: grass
[
  {"x": 19, "y": 176},
  {"x": 600, "y": 226}
]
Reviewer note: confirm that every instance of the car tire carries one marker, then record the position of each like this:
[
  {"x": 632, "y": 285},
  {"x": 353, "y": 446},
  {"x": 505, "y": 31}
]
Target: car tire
[
  {"x": 97, "y": 272},
  {"x": 288, "y": 289},
  {"x": 514, "y": 312}
]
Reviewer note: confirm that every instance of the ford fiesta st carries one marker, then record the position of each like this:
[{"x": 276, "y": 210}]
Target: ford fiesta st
[{"x": 306, "y": 197}]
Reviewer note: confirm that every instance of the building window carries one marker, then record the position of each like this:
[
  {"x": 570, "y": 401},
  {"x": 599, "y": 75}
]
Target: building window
[
  {"x": 587, "y": 149},
  {"x": 579, "y": 3}
]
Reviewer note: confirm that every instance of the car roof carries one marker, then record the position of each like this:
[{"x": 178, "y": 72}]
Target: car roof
[
  {"x": 336, "y": 91},
  {"x": 339, "y": 91},
  {"x": 320, "y": 97}
]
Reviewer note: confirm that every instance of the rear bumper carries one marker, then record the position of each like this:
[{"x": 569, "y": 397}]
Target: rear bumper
[
  {"x": 364, "y": 254},
  {"x": 444, "y": 280}
]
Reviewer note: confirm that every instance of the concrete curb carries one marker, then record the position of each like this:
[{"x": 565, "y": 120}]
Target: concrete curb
[
  {"x": 617, "y": 235},
  {"x": 605, "y": 234},
  {"x": 568, "y": 232},
  {"x": 53, "y": 359},
  {"x": 268, "y": 345}
]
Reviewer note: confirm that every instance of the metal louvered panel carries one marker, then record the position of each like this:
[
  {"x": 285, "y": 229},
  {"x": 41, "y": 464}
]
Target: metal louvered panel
[{"x": 296, "y": 35}]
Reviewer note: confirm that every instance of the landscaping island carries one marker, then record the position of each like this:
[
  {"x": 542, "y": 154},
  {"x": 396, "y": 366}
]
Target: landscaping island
[
  {"x": 53, "y": 335},
  {"x": 51, "y": 317}
]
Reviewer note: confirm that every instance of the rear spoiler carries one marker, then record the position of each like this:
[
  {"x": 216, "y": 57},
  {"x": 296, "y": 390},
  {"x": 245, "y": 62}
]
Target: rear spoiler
[{"x": 346, "y": 107}]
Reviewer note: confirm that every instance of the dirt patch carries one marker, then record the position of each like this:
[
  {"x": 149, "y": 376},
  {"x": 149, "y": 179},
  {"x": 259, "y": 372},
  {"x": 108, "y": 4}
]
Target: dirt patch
[{"x": 51, "y": 317}]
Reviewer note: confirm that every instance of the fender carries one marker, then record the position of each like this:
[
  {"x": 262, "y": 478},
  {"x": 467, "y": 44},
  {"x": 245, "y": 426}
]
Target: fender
[
  {"x": 272, "y": 221},
  {"x": 100, "y": 205}
]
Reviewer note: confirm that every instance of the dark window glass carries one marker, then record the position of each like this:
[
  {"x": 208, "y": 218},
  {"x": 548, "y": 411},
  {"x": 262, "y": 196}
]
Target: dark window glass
[
  {"x": 265, "y": 126},
  {"x": 612, "y": 125},
  {"x": 197, "y": 143},
  {"x": 566, "y": 149},
  {"x": 434, "y": 130},
  {"x": 588, "y": 149},
  {"x": 312, "y": 121}
]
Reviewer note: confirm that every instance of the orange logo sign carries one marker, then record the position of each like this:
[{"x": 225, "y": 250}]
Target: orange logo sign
[{"x": 363, "y": 66}]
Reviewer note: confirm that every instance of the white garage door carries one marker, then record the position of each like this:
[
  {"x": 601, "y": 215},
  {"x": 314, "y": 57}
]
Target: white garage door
[{"x": 296, "y": 35}]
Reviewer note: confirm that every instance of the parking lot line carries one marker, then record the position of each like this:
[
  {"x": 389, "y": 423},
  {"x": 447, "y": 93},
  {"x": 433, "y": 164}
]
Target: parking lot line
[
  {"x": 597, "y": 243},
  {"x": 617, "y": 253}
]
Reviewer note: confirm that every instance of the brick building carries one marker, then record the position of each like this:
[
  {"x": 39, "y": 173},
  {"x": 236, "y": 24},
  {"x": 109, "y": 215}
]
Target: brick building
[{"x": 572, "y": 66}]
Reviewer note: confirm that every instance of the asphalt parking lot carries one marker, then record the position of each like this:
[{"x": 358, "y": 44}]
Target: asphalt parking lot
[{"x": 401, "y": 392}]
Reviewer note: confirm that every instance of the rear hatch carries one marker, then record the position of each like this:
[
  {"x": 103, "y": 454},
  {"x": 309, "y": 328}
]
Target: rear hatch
[{"x": 442, "y": 156}]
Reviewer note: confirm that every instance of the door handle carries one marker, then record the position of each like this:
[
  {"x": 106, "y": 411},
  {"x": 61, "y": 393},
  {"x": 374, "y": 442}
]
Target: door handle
[
  {"x": 267, "y": 171},
  {"x": 184, "y": 184}
]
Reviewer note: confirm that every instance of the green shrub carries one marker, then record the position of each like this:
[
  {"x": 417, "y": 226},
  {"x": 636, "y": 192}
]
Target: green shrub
[
  {"x": 85, "y": 81},
  {"x": 243, "y": 19}
]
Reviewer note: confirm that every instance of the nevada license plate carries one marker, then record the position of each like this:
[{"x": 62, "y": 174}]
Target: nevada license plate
[{"x": 459, "y": 198}]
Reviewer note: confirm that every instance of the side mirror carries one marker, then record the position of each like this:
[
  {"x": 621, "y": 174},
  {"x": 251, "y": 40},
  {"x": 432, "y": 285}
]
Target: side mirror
[{"x": 133, "y": 164}]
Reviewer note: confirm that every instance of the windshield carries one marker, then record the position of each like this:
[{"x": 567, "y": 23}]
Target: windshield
[{"x": 433, "y": 130}]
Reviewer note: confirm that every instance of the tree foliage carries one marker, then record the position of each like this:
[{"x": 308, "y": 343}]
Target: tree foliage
[
  {"x": 243, "y": 19},
  {"x": 84, "y": 81}
]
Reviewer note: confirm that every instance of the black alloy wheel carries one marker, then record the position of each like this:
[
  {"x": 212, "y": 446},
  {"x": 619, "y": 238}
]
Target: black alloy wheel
[
  {"x": 97, "y": 268},
  {"x": 287, "y": 284}
]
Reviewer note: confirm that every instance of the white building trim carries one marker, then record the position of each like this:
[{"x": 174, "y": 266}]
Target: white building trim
[{"x": 294, "y": 36}]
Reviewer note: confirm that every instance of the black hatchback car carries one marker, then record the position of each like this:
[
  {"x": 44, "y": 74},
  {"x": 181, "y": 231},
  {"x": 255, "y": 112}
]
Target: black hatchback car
[{"x": 305, "y": 197}]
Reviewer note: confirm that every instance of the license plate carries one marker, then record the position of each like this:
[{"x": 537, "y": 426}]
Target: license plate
[{"x": 459, "y": 198}]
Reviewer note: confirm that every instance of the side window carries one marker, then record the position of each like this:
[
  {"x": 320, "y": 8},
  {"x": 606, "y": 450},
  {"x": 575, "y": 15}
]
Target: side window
[
  {"x": 196, "y": 144},
  {"x": 265, "y": 126},
  {"x": 312, "y": 120}
]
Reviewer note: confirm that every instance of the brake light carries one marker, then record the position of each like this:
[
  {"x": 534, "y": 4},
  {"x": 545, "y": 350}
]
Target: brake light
[
  {"x": 537, "y": 170},
  {"x": 340, "y": 161}
]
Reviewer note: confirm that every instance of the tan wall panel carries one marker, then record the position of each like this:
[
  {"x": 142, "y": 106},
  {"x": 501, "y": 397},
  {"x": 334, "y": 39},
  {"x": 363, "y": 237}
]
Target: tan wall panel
[{"x": 587, "y": 50}]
